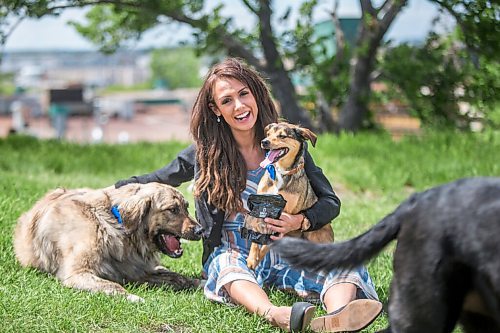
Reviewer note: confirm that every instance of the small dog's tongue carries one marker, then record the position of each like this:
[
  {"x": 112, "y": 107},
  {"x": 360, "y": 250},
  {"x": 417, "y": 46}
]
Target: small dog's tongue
[{"x": 270, "y": 157}]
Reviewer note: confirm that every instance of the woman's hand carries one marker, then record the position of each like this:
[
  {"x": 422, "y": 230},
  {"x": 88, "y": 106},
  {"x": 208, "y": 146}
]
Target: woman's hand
[{"x": 284, "y": 224}]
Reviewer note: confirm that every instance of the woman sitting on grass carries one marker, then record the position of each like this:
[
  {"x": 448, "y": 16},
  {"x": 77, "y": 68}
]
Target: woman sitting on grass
[{"x": 228, "y": 119}]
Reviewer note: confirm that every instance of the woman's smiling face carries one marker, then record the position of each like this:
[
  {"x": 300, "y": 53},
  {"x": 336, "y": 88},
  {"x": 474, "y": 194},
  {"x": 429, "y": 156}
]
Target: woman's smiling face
[{"x": 236, "y": 104}]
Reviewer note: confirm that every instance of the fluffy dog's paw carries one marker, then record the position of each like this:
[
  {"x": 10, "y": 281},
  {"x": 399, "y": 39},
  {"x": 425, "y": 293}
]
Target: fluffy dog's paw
[
  {"x": 200, "y": 283},
  {"x": 161, "y": 269},
  {"x": 135, "y": 299}
]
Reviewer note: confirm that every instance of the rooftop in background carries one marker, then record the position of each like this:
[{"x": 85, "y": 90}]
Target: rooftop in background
[
  {"x": 45, "y": 69},
  {"x": 47, "y": 59}
]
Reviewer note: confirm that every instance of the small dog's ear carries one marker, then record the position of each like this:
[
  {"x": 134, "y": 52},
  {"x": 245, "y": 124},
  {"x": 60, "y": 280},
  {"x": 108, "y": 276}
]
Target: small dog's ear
[
  {"x": 307, "y": 134},
  {"x": 268, "y": 127},
  {"x": 133, "y": 210}
]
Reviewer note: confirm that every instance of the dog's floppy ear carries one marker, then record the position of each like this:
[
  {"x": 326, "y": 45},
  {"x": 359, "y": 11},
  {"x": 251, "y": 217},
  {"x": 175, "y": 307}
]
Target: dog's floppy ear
[
  {"x": 268, "y": 127},
  {"x": 307, "y": 134},
  {"x": 133, "y": 210}
]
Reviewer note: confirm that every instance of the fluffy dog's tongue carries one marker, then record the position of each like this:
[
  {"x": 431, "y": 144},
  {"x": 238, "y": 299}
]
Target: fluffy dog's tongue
[
  {"x": 172, "y": 244},
  {"x": 270, "y": 157}
]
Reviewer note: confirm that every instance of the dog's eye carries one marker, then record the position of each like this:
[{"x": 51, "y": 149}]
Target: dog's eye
[
  {"x": 173, "y": 210},
  {"x": 281, "y": 136}
]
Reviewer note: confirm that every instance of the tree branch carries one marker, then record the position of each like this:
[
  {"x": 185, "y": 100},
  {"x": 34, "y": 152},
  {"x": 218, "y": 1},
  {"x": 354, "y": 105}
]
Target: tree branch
[
  {"x": 339, "y": 41},
  {"x": 471, "y": 49},
  {"x": 5, "y": 36},
  {"x": 250, "y": 7},
  {"x": 382, "y": 8},
  {"x": 82, "y": 4},
  {"x": 267, "y": 38},
  {"x": 395, "y": 7},
  {"x": 234, "y": 46},
  {"x": 367, "y": 7}
]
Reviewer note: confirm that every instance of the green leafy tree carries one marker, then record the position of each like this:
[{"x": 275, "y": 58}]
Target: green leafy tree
[
  {"x": 478, "y": 23},
  {"x": 325, "y": 73},
  {"x": 441, "y": 84},
  {"x": 479, "y": 29},
  {"x": 7, "y": 86},
  {"x": 348, "y": 89},
  {"x": 375, "y": 21},
  {"x": 342, "y": 80},
  {"x": 176, "y": 67}
]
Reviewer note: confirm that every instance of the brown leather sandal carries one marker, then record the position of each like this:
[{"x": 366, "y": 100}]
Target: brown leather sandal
[{"x": 353, "y": 317}]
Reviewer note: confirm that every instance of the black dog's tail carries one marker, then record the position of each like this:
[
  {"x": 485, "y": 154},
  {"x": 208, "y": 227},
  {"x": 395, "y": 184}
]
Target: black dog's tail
[{"x": 348, "y": 254}]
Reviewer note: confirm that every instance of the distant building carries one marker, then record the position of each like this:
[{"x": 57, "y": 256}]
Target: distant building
[
  {"x": 41, "y": 73},
  {"x": 52, "y": 69},
  {"x": 326, "y": 30}
]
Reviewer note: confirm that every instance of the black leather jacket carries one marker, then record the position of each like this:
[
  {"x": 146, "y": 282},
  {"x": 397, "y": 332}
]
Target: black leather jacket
[{"x": 184, "y": 168}]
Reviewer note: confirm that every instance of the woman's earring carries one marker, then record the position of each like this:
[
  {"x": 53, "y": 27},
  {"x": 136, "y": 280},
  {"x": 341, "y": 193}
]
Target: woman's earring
[{"x": 218, "y": 119}]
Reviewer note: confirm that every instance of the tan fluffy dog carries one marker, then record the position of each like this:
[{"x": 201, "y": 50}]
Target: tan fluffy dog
[
  {"x": 87, "y": 244},
  {"x": 285, "y": 143}
]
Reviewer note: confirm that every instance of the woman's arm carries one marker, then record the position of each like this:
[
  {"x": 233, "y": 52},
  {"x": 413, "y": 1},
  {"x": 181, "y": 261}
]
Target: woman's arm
[
  {"x": 180, "y": 170},
  {"x": 328, "y": 205}
]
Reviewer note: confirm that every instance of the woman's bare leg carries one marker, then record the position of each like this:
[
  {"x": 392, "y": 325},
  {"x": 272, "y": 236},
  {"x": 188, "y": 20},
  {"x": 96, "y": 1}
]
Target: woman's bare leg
[
  {"x": 253, "y": 298},
  {"x": 355, "y": 314},
  {"x": 339, "y": 295}
]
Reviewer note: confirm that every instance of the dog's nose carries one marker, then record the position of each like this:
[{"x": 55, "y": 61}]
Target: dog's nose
[
  {"x": 265, "y": 143},
  {"x": 198, "y": 231}
]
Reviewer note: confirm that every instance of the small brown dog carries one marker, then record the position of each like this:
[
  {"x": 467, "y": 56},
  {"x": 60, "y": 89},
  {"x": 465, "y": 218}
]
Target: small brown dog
[
  {"x": 98, "y": 240},
  {"x": 286, "y": 144}
]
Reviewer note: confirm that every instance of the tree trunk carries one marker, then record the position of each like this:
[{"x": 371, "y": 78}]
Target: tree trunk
[
  {"x": 284, "y": 91},
  {"x": 371, "y": 32},
  {"x": 326, "y": 123},
  {"x": 282, "y": 86},
  {"x": 356, "y": 107}
]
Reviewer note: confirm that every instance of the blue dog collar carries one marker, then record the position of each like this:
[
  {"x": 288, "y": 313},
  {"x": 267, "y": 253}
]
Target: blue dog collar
[
  {"x": 270, "y": 168},
  {"x": 116, "y": 213},
  {"x": 272, "y": 171}
]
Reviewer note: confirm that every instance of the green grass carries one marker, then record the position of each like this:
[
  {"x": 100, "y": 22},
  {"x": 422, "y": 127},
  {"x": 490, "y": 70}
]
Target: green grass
[{"x": 370, "y": 172}]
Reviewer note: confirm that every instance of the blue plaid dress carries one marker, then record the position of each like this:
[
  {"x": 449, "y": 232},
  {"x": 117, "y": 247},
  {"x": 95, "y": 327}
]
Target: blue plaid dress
[{"x": 228, "y": 263}]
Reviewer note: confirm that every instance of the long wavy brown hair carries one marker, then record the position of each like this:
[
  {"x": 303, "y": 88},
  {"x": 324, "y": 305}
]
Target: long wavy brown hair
[{"x": 222, "y": 169}]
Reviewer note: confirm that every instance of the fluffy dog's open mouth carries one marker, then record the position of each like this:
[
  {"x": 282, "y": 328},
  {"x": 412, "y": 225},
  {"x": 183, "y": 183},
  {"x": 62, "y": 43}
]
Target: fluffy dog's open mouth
[
  {"x": 273, "y": 156},
  {"x": 169, "y": 244}
]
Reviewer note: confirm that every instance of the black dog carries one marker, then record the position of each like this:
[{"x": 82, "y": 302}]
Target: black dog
[{"x": 446, "y": 263}]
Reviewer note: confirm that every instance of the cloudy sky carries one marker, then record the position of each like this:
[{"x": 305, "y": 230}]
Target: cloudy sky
[{"x": 53, "y": 33}]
